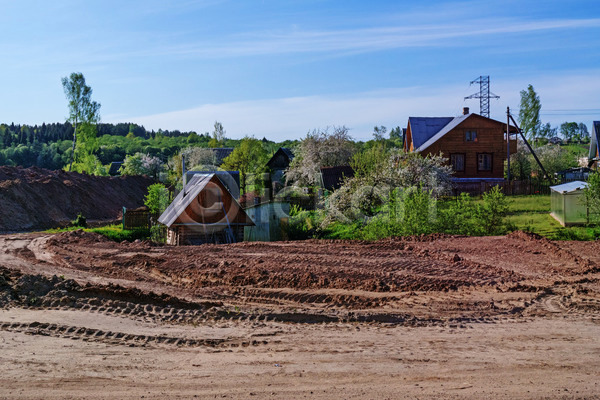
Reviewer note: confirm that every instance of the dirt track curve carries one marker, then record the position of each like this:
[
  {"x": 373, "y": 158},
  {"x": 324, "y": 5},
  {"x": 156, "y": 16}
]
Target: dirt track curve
[{"x": 325, "y": 298}]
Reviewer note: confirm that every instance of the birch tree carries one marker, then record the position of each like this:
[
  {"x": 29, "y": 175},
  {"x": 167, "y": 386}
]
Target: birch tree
[{"x": 84, "y": 114}]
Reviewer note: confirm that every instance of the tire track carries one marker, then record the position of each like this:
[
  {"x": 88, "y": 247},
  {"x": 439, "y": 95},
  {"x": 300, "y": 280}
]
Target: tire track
[{"x": 120, "y": 338}]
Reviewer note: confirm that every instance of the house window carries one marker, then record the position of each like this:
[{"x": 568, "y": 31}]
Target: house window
[
  {"x": 458, "y": 162},
  {"x": 484, "y": 162},
  {"x": 471, "y": 136}
]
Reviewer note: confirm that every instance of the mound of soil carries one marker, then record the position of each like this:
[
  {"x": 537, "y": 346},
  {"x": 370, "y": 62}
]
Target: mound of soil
[{"x": 36, "y": 198}]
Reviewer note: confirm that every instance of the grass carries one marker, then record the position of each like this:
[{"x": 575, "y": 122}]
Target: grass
[
  {"x": 526, "y": 213},
  {"x": 113, "y": 232},
  {"x": 532, "y": 214}
]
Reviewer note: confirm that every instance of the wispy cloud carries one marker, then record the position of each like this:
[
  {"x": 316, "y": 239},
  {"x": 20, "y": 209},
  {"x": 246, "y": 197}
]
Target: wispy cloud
[
  {"x": 287, "y": 118},
  {"x": 365, "y": 39}
]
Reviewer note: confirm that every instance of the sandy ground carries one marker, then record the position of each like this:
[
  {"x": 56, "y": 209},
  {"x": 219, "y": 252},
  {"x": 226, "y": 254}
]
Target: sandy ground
[{"x": 433, "y": 317}]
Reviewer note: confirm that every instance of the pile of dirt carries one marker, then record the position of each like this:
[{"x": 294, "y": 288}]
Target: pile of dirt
[{"x": 36, "y": 198}]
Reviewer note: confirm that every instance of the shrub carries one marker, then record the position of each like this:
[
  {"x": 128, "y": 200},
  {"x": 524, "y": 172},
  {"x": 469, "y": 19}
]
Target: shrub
[
  {"x": 157, "y": 198},
  {"x": 408, "y": 212},
  {"x": 491, "y": 214},
  {"x": 592, "y": 196},
  {"x": 302, "y": 224},
  {"x": 457, "y": 215},
  {"x": 116, "y": 233},
  {"x": 80, "y": 221},
  {"x": 158, "y": 233}
]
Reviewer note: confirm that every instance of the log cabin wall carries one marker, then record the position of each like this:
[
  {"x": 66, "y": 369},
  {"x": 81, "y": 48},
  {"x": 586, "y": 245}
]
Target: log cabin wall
[{"x": 489, "y": 140}]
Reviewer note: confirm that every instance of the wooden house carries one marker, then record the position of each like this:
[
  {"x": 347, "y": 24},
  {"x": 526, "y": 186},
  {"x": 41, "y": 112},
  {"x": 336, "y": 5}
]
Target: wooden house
[
  {"x": 474, "y": 145},
  {"x": 594, "y": 154},
  {"x": 204, "y": 212},
  {"x": 279, "y": 163}
]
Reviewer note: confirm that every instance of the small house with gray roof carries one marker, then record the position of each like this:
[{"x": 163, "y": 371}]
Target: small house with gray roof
[
  {"x": 474, "y": 145},
  {"x": 204, "y": 212}
]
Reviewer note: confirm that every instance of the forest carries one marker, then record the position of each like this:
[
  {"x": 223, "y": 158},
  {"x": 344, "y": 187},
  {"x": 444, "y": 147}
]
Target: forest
[{"x": 49, "y": 145}]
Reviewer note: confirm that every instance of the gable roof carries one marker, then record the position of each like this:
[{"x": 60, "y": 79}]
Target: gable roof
[
  {"x": 221, "y": 153},
  {"x": 424, "y": 128},
  {"x": 451, "y": 125},
  {"x": 594, "y": 142},
  {"x": 281, "y": 152},
  {"x": 196, "y": 185},
  {"x": 428, "y": 130},
  {"x": 230, "y": 179}
]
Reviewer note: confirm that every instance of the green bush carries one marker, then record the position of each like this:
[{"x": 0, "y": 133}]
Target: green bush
[
  {"x": 302, "y": 224},
  {"x": 491, "y": 213},
  {"x": 116, "y": 233},
  {"x": 408, "y": 212},
  {"x": 158, "y": 233},
  {"x": 112, "y": 232},
  {"x": 80, "y": 221}
]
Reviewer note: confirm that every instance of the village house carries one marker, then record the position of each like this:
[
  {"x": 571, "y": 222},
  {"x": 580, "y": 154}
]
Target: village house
[
  {"x": 204, "y": 212},
  {"x": 279, "y": 162},
  {"x": 474, "y": 145},
  {"x": 594, "y": 154}
]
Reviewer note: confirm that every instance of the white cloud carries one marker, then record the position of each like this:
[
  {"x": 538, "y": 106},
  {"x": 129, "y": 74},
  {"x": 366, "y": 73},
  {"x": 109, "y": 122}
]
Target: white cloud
[{"x": 292, "y": 118}]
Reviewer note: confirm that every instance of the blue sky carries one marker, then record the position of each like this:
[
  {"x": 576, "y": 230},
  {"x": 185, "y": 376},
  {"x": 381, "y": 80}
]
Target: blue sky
[{"x": 279, "y": 69}]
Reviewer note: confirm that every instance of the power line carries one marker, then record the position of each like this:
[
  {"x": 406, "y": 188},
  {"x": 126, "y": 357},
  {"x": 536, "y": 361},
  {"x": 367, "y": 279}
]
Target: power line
[
  {"x": 574, "y": 109},
  {"x": 484, "y": 95}
]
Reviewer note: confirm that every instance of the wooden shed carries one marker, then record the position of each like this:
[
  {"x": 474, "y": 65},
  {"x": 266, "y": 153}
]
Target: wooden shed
[{"x": 204, "y": 212}]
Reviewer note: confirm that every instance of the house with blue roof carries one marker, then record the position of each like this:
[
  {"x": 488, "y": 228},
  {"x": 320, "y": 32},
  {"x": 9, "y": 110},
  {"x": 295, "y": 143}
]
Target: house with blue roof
[{"x": 475, "y": 146}]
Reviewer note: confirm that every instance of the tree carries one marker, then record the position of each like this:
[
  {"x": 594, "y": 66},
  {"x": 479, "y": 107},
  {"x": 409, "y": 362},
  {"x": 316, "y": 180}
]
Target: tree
[
  {"x": 83, "y": 113},
  {"x": 396, "y": 133},
  {"x": 319, "y": 149},
  {"x": 569, "y": 130},
  {"x": 364, "y": 193},
  {"x": 379, "y": 133},
  {"x": 249, "y": 158},
  {"x": 157, "y": 198},
  {"x": 529, "y": 113},
  {"x": 142, "y": 164},
  {"x": 584, "y": 134},
  {"x": 520, "y": 163},
  {"x": 547, "y": 131},
  {"x": 199, "y": 158},
  {"x": 218, "y": 135},
  {"x": 554, "y": 159}
]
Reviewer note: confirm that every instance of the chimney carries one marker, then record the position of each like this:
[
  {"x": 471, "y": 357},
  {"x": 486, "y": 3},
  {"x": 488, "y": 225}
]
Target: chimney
[{"x": 465, "y": 110}]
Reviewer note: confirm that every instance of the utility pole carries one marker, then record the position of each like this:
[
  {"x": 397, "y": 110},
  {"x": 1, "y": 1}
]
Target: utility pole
[
  {"x": 537, "y": 160},
  {"x": 484, "y": 95},
  {"x": 508, "y": 144}
]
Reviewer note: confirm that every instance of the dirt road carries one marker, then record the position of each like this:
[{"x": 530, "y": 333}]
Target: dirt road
[{"x": 435, "y": 317}]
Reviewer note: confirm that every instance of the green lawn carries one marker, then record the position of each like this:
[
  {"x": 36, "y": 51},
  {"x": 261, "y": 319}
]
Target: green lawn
[
  {"x": 113, "y": 232},
  {"x": 532, "y": 213}
]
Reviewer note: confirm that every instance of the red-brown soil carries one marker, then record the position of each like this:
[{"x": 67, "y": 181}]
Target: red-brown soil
[
  {"x": 441, "y": 316},
  {"x": 36, "y": 198}
]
